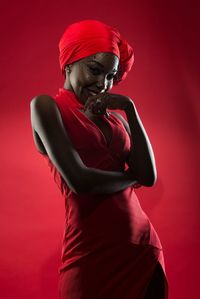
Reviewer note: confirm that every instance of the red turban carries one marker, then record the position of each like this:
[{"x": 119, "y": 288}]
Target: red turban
[{"x": 89, "y": 37}]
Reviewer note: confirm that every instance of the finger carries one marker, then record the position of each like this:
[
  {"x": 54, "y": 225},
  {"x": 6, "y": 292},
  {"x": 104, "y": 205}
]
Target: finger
[
  {"x": 89, "y": 103},
  {"x": 99, "y": 99},
  {"x": 107, "y": 114},
  {"x": 97, "y": 107},
  {"x": 92, "y": 100},
  {"x": 100, "y": 110},
  {"x": 97, "y": 96}
]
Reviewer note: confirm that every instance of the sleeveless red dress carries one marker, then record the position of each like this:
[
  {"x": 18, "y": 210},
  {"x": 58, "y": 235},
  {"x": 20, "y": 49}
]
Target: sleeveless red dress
[{"x": 110, "y": 248}]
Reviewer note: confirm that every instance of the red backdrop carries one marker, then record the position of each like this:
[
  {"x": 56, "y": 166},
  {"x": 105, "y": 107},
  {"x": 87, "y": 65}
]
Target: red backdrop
[{"x": 163, "y": 84}]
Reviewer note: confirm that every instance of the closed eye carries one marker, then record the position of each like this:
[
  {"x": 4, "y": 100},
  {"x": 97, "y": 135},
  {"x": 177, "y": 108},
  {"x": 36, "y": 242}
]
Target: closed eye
[{"x": 96, "y": 71}]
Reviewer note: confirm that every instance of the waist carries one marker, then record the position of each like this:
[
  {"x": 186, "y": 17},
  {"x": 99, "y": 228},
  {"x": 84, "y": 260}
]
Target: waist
[{"x": 118, "y": 217}]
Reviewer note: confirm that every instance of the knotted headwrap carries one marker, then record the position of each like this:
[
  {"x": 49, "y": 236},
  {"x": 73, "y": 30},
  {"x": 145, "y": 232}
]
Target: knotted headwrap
[{"x": 89, "y": 37}]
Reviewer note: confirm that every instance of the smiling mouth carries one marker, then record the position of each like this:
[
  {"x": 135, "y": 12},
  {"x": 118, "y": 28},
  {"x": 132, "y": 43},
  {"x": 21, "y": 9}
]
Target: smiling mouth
[{"x": 91, "y": 92}]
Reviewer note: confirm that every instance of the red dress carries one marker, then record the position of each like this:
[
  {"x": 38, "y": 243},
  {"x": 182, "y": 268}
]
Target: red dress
[{"x": 110, "y": 248}]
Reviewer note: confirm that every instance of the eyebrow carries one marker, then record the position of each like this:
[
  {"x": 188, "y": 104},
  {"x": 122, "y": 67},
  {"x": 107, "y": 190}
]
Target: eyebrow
[{"x": 100, "y": 64}]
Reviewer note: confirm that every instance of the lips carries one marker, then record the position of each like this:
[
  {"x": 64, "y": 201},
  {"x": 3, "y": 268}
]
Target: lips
[{"x": 92, "y": 92}]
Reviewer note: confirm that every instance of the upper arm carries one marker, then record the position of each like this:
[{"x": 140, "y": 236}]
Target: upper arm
[
  {"x": 38, "y": 143},
  {"x": 47, "y": 123},
  {"x": 126, "y": 125}
]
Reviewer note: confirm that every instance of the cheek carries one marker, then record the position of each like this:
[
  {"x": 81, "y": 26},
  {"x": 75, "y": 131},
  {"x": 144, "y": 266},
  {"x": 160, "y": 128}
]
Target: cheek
[
  {"x": 88, "y": 78},
  {"x": 84, "y": 77},
  {"x": 77, "y": 80}
]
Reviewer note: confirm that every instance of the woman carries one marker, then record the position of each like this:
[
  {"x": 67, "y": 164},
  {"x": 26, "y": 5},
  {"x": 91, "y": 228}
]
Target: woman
[{"x": 110, "y": 249}]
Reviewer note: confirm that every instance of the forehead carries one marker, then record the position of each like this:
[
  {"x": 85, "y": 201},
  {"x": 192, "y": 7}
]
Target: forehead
[{"x": 107, "y": 60}]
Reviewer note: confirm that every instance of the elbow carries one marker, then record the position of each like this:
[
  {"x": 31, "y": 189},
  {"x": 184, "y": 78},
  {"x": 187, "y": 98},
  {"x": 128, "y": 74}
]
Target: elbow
[
  {"x": 85, "y": 183},
  {"x": 76, "y": 188},
  {"x": 79, "y": 184},
  {"x": 79, "y": 189},
  {"x": 148, "y": 181},
  {"x": 149, "y": 177},
  {"x": 84, "y": 187},
  {"x": 144, "y": 178}
]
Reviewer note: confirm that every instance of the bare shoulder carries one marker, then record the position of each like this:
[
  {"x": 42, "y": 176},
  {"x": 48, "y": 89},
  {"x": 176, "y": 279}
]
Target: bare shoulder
[
  {"x": 43, "y": 101},
  {"x": 43, "y": 108},
  {"x": 123, "y": 120}
]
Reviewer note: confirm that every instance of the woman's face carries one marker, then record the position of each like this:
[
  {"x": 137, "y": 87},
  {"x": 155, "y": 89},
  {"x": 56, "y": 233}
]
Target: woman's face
[{"x": 92, "y": 75}]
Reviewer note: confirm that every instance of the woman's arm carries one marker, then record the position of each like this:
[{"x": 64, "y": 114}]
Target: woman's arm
[
  {"x": 47, "y": 122},
  {"x": 141, "y": 159}
]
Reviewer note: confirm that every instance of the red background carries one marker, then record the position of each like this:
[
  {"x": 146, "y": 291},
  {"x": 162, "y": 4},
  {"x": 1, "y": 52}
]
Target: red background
[{"x": 164, "y": 86}]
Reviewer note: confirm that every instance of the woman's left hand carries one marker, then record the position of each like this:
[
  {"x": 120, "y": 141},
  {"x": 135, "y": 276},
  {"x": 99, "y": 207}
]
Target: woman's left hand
[{"x": 100, "y": 102}]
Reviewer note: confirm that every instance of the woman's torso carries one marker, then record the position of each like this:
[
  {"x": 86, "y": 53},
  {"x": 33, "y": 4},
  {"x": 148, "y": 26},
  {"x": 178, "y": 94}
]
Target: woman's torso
[
  {"x": 102, "y": 143},
  {"x": 98, "y": 121}
]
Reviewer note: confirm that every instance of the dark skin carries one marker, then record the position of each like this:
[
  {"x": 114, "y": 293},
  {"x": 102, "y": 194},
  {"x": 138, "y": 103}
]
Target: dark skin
[{"x": 91, "y": 79}]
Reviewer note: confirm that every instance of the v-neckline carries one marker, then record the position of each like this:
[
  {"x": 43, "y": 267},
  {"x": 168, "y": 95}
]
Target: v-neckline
[
  {"x": 108, "y": 143},
  {"x": 74, "y": 103}
]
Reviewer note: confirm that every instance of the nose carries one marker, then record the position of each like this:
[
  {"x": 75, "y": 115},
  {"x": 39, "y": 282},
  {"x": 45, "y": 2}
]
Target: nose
[{"x": 102, "y": 83}]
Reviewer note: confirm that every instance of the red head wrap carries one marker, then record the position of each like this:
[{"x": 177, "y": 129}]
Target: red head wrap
[{"x": 89, "y": 37}]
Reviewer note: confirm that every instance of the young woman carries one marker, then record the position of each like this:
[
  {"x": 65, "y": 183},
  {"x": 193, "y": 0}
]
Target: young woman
[{"x": 110, "y": 248}]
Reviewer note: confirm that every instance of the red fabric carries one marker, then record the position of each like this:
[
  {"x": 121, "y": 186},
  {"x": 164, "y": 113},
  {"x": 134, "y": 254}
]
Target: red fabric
[
  {"x": 110, "y": 248},
  {"x": 89, "y": 37}
]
